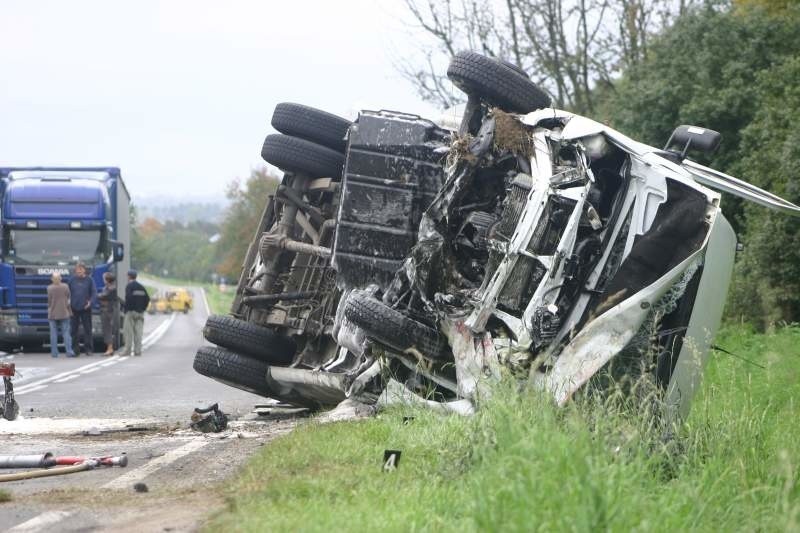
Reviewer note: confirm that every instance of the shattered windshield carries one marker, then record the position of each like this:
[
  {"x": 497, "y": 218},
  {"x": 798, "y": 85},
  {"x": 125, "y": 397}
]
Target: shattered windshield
[{"x": 52, "y": 247}]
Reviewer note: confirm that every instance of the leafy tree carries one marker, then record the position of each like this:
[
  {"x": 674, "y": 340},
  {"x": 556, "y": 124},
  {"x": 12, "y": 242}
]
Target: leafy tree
[
  {"x": 767, "y": 286},
  {"x": 242, "y": 216},
  {"x": 733, "y": 70},
  {"x": 176, "y": 250}
]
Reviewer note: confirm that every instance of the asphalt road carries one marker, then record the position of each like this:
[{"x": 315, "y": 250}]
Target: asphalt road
[
  {"x": 159, "y": 384},
  {"x": 140, "y": 406}
]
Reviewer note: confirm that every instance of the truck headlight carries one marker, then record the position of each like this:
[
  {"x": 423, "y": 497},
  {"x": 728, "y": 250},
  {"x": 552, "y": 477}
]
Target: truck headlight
[{"x": 8, "y": 322}]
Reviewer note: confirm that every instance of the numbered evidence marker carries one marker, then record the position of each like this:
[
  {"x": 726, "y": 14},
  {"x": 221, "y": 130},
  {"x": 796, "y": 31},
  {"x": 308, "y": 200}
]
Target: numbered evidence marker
[{"x": 391, "y": 459}]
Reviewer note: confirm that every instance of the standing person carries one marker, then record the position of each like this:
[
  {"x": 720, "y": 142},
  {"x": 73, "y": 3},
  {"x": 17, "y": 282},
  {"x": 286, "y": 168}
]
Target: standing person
[
  {"x": 108, "y": 310},
  {"x": 136, "y": 302},
  {"x": 58, "y": 314},
  {"x": 82, "y": 293}
]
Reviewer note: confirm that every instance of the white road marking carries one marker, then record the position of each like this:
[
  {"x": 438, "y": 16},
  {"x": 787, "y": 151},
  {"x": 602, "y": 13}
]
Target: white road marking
[
  {"x": 41, "y": 522},
  {"x": 39, "y": 387},
  {"x": 152, "y": 338},
  {"x": 205, "y": 301},
  {"x": 157, "y": 333},
  {"x": 137, "y": 474},
  {"x": 62, "y": 380},
  {"x": 59, "y": 376}
]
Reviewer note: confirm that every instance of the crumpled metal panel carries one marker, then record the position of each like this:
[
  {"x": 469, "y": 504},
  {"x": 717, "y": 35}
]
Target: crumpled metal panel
[{"x": 392, "y": 172}]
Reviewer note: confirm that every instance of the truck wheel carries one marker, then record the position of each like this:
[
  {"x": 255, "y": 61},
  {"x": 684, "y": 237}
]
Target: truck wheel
[
  {"x": 245, "y": 373},
  {"x": 496, "y": 83},
  {"x": 311, "y": 124},
  {"x": 514, "y": 67},
  {"x": 245, "y": 337},
  {"x": 231, "y": 368},
  {"x": 292, "y": 154},
  {"x": 392, "y": 328}
]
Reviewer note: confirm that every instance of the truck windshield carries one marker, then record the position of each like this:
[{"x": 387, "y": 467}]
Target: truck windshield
[{"x": 53, "y": 247}]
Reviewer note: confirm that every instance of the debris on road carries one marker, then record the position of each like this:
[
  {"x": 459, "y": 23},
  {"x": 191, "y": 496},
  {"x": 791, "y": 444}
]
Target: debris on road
[
  {"x": 209, "y": 419},
  {"x": 48, "y": 465},
  {"x": 9, "y": 408},
  {"x": 47, "y": 460}
]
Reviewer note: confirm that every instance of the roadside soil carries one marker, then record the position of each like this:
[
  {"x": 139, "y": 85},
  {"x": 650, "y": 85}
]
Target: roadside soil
[{"x": 180, "y": 495}]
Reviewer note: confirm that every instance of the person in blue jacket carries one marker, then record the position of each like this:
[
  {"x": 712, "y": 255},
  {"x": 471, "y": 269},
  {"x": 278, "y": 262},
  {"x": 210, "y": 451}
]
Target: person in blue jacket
[{"x": 83, "y": 293}]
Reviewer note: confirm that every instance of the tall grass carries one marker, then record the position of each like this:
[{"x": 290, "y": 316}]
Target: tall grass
[{"x": 521, "y": 464}]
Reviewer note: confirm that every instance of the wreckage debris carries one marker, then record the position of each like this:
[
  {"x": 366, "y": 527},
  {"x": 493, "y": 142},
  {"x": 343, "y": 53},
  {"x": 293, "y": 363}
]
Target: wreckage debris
[
  {"x": 425, "y": 261},
  {"x": 209, "y": 420},
  {"x": 47, "y": 465}
]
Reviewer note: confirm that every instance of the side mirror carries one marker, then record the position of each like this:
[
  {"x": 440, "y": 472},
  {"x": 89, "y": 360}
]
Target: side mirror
[
  {"x": 687, "y": 137},
  {"x": 117, "y": 251}
]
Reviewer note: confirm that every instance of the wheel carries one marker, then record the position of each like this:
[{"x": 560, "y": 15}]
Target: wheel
[
  {"x": 185, "y": 309},
  {"x": 251, "y": 339},
  {"x": 245, "y": 373},
  {"x": 496, "y": 83},
  {"x": 311, "y": 124},
  {"x": 292, "y": 154},
  {"x": 392, "y": 328},
  {"x": 231, "y": 368},
  {"x": 8, "y": 347},
  {"x": 514, "y": 67}
]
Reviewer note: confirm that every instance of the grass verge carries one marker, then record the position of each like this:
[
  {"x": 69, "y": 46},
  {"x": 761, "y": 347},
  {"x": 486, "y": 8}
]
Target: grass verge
[
  {"x": 218, "y": 301},
  {"x": 5, "y": 496},
  {"x": 521, "y": 464}
]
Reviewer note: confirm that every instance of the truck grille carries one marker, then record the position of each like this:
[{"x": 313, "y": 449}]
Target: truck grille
[{"x": 31, "y": 292}]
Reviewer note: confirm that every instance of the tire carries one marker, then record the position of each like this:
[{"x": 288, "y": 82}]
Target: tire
[
  {"x": 496, "y": 83},
  {"x": 245, "y": 373},
  {"x": 251, "y": 339},
  {"x": 514, "y": 67},
  {"x": 237, "y": 370},
  {"x": 311, "y": 124},
  {"x": 292, "y": 154},
  {"x": 392, "y": 328}
]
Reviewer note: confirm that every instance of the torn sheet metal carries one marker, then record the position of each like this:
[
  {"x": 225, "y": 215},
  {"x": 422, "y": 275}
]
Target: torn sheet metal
[
  {"x": 475, "y": 357},
  {"x": 552, "y": 248}
]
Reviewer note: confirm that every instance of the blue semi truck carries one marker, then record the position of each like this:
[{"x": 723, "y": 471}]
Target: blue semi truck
[{"x": 50, "y": 219}]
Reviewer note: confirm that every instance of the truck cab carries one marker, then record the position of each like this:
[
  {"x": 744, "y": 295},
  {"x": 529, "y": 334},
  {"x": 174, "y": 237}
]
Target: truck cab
[{"x": 50, "y": 220}]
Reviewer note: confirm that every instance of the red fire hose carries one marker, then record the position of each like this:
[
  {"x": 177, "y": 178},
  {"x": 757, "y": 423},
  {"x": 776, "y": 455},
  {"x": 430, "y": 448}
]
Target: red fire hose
[{"x": 64, "y": 465}]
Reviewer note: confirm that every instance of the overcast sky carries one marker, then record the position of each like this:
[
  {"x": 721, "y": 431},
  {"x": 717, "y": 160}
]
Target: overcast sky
[{"x": 179, "y": 93}]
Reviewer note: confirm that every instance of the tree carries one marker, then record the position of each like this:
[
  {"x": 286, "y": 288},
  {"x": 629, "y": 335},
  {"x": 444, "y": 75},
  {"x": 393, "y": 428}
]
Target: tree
[
  {"x": 767, "y": 289},
  {"x": 568, "y": 46},
  {"x": 242, "y": 217},
  {"x": 734, "y": 71}
]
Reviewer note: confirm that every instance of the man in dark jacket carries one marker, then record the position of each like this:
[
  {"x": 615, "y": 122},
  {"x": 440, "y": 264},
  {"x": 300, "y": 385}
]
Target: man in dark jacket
[
  {"x": 136, "y": 302},
  {"x": 82, "y": 292}
]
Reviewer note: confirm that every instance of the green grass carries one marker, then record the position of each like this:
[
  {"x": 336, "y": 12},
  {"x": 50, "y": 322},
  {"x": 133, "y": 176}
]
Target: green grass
[
  {"x": 5, "y": 496},
  {"x": 219, "y": 302},
  {"x": 521, "y": 464}
]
